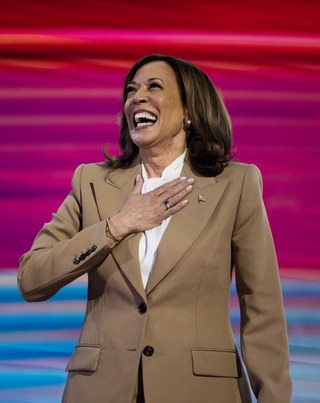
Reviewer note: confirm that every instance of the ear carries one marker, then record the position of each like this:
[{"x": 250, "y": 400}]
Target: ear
[
  {"x": 186, "y": 115},
  {"x": 186, "y": 121}
]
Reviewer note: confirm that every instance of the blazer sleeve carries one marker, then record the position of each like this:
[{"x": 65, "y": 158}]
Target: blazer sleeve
[
  {"x": 62, "y": 251},
  {"x": 264, "y": 343}
]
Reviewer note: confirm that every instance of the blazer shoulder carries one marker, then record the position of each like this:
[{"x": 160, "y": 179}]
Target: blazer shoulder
[
  {"x": 95, "y": 170},
  {"x": 84, "y": 174},
  {"x": 239, "y": 170},
  {"x": 89, "y": 172}
]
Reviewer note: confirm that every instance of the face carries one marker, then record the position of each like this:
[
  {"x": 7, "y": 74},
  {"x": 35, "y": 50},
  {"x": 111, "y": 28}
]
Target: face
[{"x": 153, "y": 108}]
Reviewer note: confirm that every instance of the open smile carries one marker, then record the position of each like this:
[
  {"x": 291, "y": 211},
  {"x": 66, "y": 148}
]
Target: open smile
[{"x": 143, "y": 119}]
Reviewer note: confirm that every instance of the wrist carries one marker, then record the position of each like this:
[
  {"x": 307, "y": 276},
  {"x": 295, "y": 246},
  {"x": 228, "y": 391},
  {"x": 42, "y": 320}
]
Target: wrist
[{"x": 116, "y": 228}]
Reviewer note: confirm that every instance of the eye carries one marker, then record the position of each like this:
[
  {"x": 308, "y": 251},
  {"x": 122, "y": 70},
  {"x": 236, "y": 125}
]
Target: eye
[
  {"x": 130, "y": 89},
  {"x": 155, "y": 85}
]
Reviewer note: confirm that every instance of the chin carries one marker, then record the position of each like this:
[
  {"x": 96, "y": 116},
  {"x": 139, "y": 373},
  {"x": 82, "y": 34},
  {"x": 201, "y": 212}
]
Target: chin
[{"x": 141, "y": 137}]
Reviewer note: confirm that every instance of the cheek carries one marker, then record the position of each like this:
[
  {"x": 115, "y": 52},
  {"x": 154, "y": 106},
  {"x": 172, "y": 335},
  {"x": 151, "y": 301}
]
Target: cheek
[
  {"x": 175, "y": 117},
  {"x": 174, "y": 109}
]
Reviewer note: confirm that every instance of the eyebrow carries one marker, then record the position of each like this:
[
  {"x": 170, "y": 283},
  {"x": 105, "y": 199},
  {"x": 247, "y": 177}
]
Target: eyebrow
[{"x": 149, "y": 79}]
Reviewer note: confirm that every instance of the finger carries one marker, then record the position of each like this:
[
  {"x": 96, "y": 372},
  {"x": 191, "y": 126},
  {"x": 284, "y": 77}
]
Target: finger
[
  {"x": 179, "y": 196},
  {"x": 174, "y": 195},
  {"x": 173, "y": 210},
  {"x": 138, "y": 185},
  {"x": 177, "y": 184}
]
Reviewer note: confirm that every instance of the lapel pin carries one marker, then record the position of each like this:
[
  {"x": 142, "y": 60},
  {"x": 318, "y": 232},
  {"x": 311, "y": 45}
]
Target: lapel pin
[{"x": 201, "y": 198}]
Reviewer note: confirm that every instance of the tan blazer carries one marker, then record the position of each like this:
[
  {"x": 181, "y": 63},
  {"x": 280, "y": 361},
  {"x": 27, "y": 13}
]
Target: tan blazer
[{"x": 180, "y": 324}]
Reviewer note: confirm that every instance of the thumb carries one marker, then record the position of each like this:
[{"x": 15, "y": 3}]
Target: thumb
[{"x": 138, "y": 185}]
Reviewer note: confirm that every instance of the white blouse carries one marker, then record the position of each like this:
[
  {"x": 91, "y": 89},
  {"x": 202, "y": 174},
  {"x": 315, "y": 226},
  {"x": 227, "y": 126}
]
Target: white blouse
[{"x": 150, "y": 239}]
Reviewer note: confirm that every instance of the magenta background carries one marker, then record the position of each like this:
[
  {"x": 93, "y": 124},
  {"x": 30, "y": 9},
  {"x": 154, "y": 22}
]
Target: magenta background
[{"x": 61, "y": 72}]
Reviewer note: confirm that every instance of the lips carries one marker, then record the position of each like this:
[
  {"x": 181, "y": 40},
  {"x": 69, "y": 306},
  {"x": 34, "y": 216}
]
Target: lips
[{"x": 143, "y": 119}]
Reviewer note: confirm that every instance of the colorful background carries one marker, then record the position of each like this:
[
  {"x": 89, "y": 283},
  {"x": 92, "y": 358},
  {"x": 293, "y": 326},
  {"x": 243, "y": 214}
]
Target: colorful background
[{"x": 62, "y": 66}]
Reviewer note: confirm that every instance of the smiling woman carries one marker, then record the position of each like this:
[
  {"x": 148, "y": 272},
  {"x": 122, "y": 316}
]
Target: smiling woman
[{"x": 157, "y": 326}]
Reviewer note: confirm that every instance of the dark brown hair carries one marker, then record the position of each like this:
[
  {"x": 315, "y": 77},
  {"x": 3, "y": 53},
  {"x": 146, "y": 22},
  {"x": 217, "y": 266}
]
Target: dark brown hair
[{"x": 209, "y": 137}]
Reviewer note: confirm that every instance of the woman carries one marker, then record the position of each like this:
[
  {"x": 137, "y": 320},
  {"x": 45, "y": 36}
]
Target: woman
[{"x": 157, "y": 325}]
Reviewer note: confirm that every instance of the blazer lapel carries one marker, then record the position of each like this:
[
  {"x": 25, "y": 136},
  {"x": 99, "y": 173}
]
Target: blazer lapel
[
  {"x": 186, "y": 225},
  {"x": 110, "y": 194}
]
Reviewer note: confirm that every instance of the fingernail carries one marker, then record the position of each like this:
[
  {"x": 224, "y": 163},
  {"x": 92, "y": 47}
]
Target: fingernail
[
  {"x": 183, "y": 178},
  {"x": 137, "y": 178},
  {"x": 190, "y": 180},
  {"x": 189, "y": 187},
  {"x": 185, "y": 201}
]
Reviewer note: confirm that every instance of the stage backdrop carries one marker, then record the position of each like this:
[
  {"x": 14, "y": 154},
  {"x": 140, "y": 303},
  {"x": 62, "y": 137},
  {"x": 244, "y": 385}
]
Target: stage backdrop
[{"x": 61, "y": 71}]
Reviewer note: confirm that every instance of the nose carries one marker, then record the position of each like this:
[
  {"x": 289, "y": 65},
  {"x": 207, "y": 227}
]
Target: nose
[{"x": 140, "y": 96}]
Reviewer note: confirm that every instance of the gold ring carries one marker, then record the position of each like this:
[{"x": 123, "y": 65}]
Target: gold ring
[{"x": 166, "y": 203}]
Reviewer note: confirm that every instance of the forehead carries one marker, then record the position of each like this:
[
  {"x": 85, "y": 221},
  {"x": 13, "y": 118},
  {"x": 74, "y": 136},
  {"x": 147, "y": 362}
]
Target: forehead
[{"x": 157, "y": 69}]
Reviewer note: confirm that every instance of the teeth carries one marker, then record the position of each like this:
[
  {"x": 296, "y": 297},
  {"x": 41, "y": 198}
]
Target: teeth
[
  {"x": 144, "y": 124},
  {"x": 144, "y": 115}
]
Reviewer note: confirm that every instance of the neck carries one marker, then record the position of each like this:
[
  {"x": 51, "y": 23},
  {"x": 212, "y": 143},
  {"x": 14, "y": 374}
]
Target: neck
[{"x": 155, "y": 164}]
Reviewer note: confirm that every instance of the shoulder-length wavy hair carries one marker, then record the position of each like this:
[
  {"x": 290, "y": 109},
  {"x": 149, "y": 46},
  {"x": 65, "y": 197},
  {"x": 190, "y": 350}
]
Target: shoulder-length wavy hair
[{"x": 209, "y": 137}]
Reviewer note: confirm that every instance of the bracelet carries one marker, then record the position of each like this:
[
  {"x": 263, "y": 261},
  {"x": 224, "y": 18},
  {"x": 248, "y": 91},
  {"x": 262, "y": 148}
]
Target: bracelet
[{"x": 110, "y": 231}]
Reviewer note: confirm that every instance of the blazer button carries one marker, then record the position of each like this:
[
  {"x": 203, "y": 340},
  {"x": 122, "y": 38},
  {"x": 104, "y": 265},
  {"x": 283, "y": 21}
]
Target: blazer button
[
  {"x": 88, "y": 252},
  {"x": 76, "y": 260},
  {"x": 93, "y": 248},
  {"x": 148, "y": 351},
  {"x": 83, "y": 256},
  {"x": 142, "y": 308}
]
